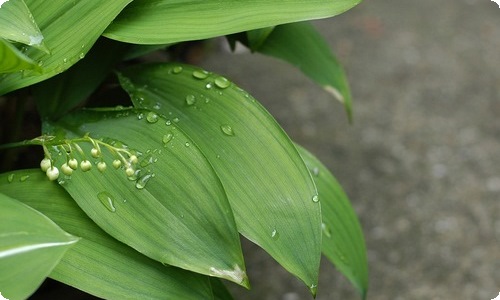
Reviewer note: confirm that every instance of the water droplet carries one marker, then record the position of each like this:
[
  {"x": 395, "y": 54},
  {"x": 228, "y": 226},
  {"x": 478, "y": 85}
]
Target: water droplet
[
  {"x": 152, "y": 117},
  {"x": 157, "y": 106},
  {"x": 227, "y": 130},
  {"x": 107, "y": 200},
  {"x": 326, "y": 230},
  {"x": 315, "y": 199},
  {"x": 177, "y": 70},
  {"x": 208, "y": 86},
  {"x": 275, "y": 234},
  {"x": 65, "y": 60},
  {"x": 315, "y": 171},
  {"x": 135, "y": 175},
  {"x": 82, "y": 55},
  {"x": 140, "y": 116},
  {"x": 222, "y": 82},
  {"x": 168, "y": 123},
  {"x": 10, "y": 178},
  {"x": 176, "y": 120},
  {"x": 167, "y": 138},
  {"x": 24, "y": 178},
  {"x": 147, "y": 160},
  {"x": 186, "y": 144},
  {"x": 40, "y": 63},
  {"x": 200, "y": 74},
  {"x": 190, "y": 100},
  {"x": 142, "y": 181}
]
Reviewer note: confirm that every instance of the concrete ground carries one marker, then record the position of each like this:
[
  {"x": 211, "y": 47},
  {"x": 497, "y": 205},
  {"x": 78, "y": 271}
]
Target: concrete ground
[{"x": 421, "y": 163}]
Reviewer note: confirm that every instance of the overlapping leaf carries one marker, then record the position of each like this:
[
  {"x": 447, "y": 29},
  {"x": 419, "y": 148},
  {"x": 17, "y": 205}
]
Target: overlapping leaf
[
  {"x": 268, "y": 185},
  {"x": 98, "y": 264},
  {"x": 301, "y": 45},
  {"x": 70, "y": 28},
  {"x": 30, "y": 247},
  {"x": 343, "y": 242},
  {"x": 174, "y": 209},
  {"x": 12, "y": 60},
  {"x": 165, "y": 21},
  {"x": 17, "y": 24}
]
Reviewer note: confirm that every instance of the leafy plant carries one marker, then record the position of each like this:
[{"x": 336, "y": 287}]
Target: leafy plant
[{"x": 148, "y": 197}]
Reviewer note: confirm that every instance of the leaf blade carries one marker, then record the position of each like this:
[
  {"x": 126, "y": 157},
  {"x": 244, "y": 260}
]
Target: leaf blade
[
  {"x": 267, "y": 183},
  {"x": 98, "y": 264}
]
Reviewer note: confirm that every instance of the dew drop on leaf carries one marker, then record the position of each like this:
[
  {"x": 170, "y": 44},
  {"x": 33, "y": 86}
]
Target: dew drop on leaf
[
  {"x": 227, "y": 130},
  {"x": 140, "y": 116},
  {"x": 24, "y": 178},
  {"x": 326, "y": 230},
  {"x": 190, "y": 100},
  {"x": 10, "y": 178},
  {"x": 152, "y": 117},
  {"x": 222, "y": 82},
  {"x": 142, "y": 181},
  {"x": 177, "y": 69},
  {"x": 315, "y": 199},
  {"x": 275, "y": 234},
  {"x": 167, "y": 138},
  {"x": 200, "y": 74},
  {"x": 107, "y": 200}
]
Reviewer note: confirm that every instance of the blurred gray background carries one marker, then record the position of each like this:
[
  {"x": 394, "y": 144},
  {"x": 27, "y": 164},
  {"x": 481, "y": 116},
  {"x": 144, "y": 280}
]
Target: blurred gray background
[{"x": 421, "y": 163}]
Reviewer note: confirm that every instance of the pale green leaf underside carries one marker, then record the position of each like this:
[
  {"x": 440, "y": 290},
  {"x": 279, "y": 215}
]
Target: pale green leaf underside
[
  {"x": 30, "y": 247},
  {"x": 175, "y": 212},
  {"x": 267, "y": 183},
  {"x": 70, "y": 28},
  {"x": 302, "y": 46},
  {"x": 98, "y": 264},
  {"x": 343, "y": 241},
  {"x": 12, "y": 60},
  {"x": 17, "y": 24},
  {"x": 166, "y": 21}
]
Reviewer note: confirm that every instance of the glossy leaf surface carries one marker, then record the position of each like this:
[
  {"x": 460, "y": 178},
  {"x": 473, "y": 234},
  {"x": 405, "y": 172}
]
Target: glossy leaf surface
[
  {"x": 268, "y": 185},
  {"x": 173, "y": 209},
  {"x": 70, "y": 28},
  {"x": 98, "y": 264},
  {"x": 30, "y": 247},
  {"x": 165, "y": 21},
  {"x": 343, "y": 241},
  {"x": 302, "y": 46}
]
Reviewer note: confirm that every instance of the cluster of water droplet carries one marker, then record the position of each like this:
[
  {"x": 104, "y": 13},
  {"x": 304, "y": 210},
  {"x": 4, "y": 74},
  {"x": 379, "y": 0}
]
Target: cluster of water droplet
[{"x": 123, "y": 158}]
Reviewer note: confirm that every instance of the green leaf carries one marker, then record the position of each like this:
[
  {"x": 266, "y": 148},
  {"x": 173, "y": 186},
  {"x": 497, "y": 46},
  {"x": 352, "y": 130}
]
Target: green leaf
[
  {"x": 31, "y": 245},
  {"x": 17, "y": 24},
  {"x": 343, "y": 242},
  {"x": 268, "y": 185},
  {"x": 302, "y": 46},
  {"x": 12, "y": 60},
  {"x": 166, "y": 21},
  {"x": 174, "y": 210},
  {"x": 219, "y": 290},
  {"x": 98, "y": 264},
  {"x": 257, "y": 37},
  {"x": 57, "y": 95},
  {"x": 70, "y": 29}
]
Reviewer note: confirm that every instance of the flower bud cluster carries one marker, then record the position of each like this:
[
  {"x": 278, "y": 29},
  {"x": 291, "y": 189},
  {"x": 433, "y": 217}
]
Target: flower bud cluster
[{"x": 123, "y": 158}]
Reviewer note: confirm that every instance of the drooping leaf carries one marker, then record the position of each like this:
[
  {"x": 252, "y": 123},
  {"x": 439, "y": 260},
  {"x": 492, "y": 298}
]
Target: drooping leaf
[
  {"x": 302, "y": 46},
  {"x": 268, "y": 185},
  {"x": 12, "y": 60},
  {"x": 173, "y": 209},
  {"x": 17, "y": 24},
  {"x": 165, "y": 21},
  {"x": 343, "y": 242},
  {"x": 98, "y": 264},
  {"x": 70, "y": 28},
  {"x": 257, "y": 37},
  {"x": 219, "y": 290},
  {"x": 57, "y": 95},
  {"x": 31, "y": 245}
]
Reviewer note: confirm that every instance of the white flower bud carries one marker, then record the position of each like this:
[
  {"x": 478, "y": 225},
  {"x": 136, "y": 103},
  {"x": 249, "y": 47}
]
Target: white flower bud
[
  {"x": 45, "y": 164},
  {"x": 66, "y": 169},
  {"x": 73, "y": 163},
  {"x": 117, "y": 163},
  {"x": 85, "y": 165},
  {"x": 101, "y": 166},
  {"x": 133, "y": 159},
  {"x": 52, "y": 173},
  {"x": 95, "y": 152},
  {"x": 129, "y": 171}
]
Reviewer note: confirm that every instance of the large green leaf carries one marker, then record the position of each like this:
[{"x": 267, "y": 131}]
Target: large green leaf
[
  {"x": 302, "y": 46},
  {"x": 70, "y": 29},
  {"x": 30, "y": 247},
  {"x": 343, "y": 242},
  {"x": 174, "y": 211},
  {"x": 268, "y": 185},
  {"x": 12, "y": 60},
  {"x": 17, "y": 24},
  {"x": 167, "y": 21},
  {"x": 98, "y": 264}
]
